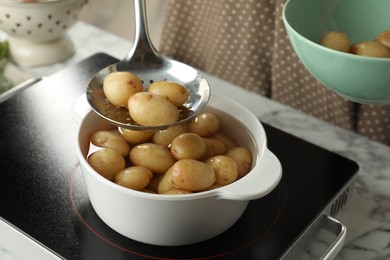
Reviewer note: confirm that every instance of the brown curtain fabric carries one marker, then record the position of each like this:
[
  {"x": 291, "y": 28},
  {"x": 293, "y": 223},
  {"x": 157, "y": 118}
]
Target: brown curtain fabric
[{"x": 244, "y": 42}]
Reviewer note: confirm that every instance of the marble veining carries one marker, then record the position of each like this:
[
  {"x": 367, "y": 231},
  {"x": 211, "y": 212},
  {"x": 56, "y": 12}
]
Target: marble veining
[{"x": 7, "y": 255}]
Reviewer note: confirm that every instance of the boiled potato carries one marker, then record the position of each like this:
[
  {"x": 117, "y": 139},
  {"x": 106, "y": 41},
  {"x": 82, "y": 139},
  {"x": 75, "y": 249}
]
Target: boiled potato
[
  {"x": 371, "y": 49},
  {"x": 336, "y": 40},
  {"x": 214, "y": 147},
  {"x": 107, "y": 162},
  {"x": 174, "y": 91},
  {"x": 192, "y": 175},
  {"x": 152, "y": 156},
  {"x": 119, "y": 86},
  {"x": 188, "y": 146},
  {"x": 135, "y": 136},
  {"x": 384, "y": 38},
  {"x": 166, "y": 136},
  {"x": 134, "y": 177},
  {"x": 243, "y": 158},
  {"x": 224, "y": 138},
  {"x": 204, "y": 124},
  {"x": 110, "y": 139},
  {"x": 166, "y": 182},
  {"x": 149, "y": 109},
  {"x": 225, "y": 168}
]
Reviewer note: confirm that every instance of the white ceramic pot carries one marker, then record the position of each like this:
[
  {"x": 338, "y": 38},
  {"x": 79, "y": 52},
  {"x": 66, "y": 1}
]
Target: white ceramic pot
[
  {"x": 37, "y": 29},
  {"x": 172, "y": 220}
]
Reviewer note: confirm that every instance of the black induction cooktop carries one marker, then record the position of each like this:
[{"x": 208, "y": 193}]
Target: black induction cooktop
[{"x": 42, "y": 191}]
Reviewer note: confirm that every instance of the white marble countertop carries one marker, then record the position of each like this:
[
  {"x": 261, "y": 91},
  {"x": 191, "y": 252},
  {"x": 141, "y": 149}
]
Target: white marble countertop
[{"x": 367, "y": 214}]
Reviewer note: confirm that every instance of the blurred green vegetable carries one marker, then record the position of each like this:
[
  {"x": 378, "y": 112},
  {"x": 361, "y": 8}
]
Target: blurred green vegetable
[
  {"x": 5, "y": 84},
  {"x": 4, "y": 50}
]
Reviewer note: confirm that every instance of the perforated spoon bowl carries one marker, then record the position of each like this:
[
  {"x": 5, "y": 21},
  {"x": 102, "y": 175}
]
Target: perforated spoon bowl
[{"x": 150, "y": 66}]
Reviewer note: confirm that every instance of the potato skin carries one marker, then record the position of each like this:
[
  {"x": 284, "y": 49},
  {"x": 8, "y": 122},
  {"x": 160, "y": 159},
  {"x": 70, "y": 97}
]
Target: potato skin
[
  {"x": 204, "y": 124},
  {"x": 225, "y": 139},
  {"x": 192, "y": 175},
  {"x": 166, "y": 182},
  {"x": 166, "y": 136},
  {"x": 188, "y": 146},
  {"x": 107, "y": 162},
  {"x": 152, "y": 156},
  {"x": 225, "y": 168},
  {"x": 371, "y": 49},
  {"x": 149, "y": 109},
  {"x": 336, "y": 40},
  {"x": 119, "y": 86},
  {"x": 174, "y": 91},
  {"x": 214, "y": 147},
  {"x": 134, "y": 177},
  {"x": 243, "y": 157},
  {"x": 110, "y": 139},
  {"x": 384, "y": 38},
  {"x": 135, "y": 136}
]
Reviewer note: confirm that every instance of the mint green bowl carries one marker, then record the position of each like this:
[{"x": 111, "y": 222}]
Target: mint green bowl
[{"x": 357, "y": 78}]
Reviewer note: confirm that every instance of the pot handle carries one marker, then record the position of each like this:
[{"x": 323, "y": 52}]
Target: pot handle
[
  {"x": 340, "y": 230},
  {"x": 323, "y": 239},
  {"x": 80, "y": 108},
  {"x": 259, "y": 182}
]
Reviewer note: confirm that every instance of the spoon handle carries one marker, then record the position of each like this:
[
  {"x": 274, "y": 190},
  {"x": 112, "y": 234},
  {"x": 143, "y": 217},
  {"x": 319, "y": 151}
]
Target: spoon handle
[{"x": 142, "y": 49}]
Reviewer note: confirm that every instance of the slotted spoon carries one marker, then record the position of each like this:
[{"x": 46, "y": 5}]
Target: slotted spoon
[{"x": 144, "y": 61}]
